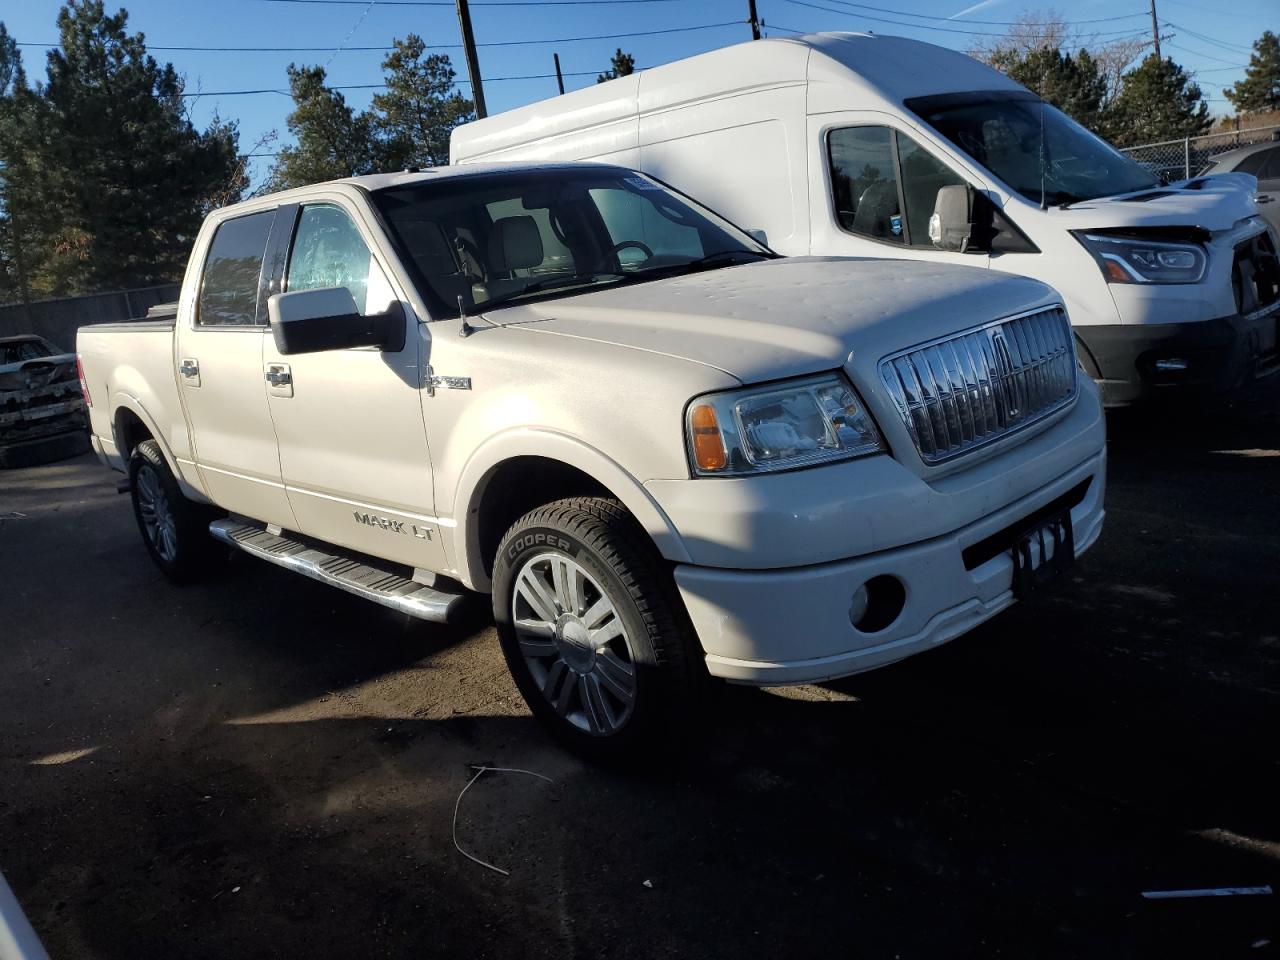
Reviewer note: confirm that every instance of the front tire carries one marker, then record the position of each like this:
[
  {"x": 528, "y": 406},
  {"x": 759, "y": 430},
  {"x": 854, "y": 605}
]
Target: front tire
[
  {"x": 175, "y": 530},
  {"x": 592, "y": 628}
]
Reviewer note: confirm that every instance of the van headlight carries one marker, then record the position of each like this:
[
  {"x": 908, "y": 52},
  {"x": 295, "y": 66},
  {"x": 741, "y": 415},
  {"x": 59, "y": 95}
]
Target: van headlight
[
  {"x": 779, "y": 426},
  {"x": 1132, "y": 260}
]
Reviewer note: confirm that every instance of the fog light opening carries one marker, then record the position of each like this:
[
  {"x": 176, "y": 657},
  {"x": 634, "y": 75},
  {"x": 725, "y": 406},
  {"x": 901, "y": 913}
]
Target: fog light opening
[
  {"x": 882, "y": 600},
  {"x": 1172, "y": 365}
]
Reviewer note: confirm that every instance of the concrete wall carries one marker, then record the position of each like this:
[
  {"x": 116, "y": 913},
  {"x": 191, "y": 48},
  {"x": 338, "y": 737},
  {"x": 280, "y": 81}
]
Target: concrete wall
[{"x": 58, "y": 320}]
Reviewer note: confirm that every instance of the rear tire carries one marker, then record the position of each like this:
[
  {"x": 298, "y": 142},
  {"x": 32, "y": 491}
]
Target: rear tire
[
  {"x": 593, "y": 630},
  {"x": 174, "y": 530}
]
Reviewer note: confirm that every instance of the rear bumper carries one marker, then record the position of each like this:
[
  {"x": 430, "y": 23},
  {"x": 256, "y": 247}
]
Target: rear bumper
[
  {"x": 1219, "y": 356},
  {"x": 792, "y": 626}
]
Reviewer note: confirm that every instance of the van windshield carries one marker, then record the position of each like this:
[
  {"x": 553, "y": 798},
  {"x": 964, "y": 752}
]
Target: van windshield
[
  {"x": 499, "y": 238},
  {"x": 1002, "y": 131}
]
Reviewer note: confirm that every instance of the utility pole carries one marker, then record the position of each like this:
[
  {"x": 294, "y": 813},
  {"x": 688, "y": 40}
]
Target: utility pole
[
  {"x": 754, "y": 19},
  {"x": 559, "y": 75},
  {"x": 1155, "y": 30},
  {"x": 473, "y": 62}
]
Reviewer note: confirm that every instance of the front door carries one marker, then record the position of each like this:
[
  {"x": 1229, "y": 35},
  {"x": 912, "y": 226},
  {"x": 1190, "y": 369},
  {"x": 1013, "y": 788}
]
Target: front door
[
  {"x": 219, "y": 361},
  {"x": 353, "y": 447},
  {"x": 881, "y": 189}
]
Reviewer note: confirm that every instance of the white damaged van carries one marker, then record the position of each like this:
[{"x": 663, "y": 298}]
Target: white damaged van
[{"x": 859, "y": 145}]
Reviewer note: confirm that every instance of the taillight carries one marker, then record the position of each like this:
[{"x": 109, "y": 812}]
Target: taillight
[{"x": 84, "y": 384}]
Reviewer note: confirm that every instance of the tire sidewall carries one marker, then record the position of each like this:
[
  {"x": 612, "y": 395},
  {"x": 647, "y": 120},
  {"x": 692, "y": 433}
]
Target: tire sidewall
[
  {"x": 527, "y": 541},
  {"x": 190, "y": 547}
]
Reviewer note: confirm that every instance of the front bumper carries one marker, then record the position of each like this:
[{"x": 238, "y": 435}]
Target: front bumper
[
  {"x": 792, "y": 626},
  {"x": 1220, "y": 356}
]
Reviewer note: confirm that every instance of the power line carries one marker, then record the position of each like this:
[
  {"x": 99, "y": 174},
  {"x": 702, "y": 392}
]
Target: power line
[
  {"x": 1197, "y": 53},
  {"x": 1232, "y": 47},
  {"x": 488, "y": 3},
  {"x": 990, "y": 23},
  {"x": 926, "y": 26},
  {"x": 430, "y": 46},
  {"x": 379, "y": 86}
]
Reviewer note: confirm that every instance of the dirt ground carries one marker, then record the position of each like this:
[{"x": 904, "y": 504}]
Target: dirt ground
[{"x": 259, "y": 766}]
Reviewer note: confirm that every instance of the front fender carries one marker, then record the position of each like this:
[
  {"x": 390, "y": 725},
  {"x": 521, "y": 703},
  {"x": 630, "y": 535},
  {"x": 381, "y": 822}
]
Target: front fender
[{"x": 551, "y": 445}]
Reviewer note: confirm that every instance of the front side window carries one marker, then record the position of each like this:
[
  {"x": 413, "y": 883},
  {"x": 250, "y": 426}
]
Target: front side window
[
  {"x": 885, "y": 184},
  {"x": 233, "y": 270},
  {"x": 328, "y": 251},
  {"x": 496, "y": 238},
  {"x": 864, "y": 178}
]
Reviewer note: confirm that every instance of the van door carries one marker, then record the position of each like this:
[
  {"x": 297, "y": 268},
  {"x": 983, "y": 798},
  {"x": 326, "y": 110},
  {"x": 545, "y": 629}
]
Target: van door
[
  {"x": 353, "y": 446},
  {"x": 219, "y": 359},
  {"x": 874, "y": 191}
]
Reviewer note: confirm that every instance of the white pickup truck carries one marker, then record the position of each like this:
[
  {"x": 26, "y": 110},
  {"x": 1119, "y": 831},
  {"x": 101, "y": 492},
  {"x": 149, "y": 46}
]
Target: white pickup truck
[{"x": 664, "y": 450}]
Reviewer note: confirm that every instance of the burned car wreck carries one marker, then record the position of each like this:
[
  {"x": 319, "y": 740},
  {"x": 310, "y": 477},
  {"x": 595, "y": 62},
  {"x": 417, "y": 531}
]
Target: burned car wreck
[{"x": 42, "y": 412}]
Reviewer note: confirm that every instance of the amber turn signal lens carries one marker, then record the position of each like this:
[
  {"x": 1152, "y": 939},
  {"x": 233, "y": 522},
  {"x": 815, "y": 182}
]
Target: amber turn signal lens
[
  {"x": 1116, "y": 273},
  {"x": 708, "y": 446}
]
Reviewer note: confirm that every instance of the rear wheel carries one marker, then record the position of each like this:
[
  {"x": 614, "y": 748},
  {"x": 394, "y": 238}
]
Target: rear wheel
[
  {"x": 591, "y": 627},
  {"x": 174, "y": 529}
]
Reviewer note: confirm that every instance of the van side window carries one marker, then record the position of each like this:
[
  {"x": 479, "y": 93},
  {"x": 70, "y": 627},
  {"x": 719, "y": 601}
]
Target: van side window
[
  {"x": 233, "y": 272},
  {"x": 328, "y": 251},
  {"x": 876, "y": 172},
  {"x": 865, "y": 180},
  {"x": 923, "y": 175}
]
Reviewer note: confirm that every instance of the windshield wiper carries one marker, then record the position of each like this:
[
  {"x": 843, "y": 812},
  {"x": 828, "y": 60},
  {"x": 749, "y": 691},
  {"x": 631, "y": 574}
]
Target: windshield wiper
[{"x": 550, "y": 283}]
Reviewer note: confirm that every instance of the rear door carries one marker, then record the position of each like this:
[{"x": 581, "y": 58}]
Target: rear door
[
  {"x": 220, "y": 375},
  {"x": 1269, "y": 187},
  {"x": 353, "y": 447}
]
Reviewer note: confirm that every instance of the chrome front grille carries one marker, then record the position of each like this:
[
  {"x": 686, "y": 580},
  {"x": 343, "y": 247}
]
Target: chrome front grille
[{"x": 964, "y": 391}]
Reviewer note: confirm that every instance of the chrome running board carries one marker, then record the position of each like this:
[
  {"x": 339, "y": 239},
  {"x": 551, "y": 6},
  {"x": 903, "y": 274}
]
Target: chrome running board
[{"x": 354, "y": 576}]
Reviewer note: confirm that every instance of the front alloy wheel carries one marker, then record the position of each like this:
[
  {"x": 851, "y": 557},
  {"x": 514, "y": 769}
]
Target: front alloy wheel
[
  {"x": 574, "y": 643},
  {"x": 594, "y": 631}
]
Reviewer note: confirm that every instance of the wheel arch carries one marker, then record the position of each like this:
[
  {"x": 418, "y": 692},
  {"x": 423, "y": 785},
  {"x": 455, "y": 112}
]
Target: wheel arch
[{"x": 525, "y": 469}]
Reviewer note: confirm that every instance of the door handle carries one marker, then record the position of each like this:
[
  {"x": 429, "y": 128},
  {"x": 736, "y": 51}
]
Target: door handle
[
  {"x": 279, "y": 377},
  {"x": 1263, "y": 198},
  {"x": 190, "y": 368}
]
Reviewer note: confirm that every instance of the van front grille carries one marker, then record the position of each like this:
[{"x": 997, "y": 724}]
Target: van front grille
[{"x": 965, "y": 391}]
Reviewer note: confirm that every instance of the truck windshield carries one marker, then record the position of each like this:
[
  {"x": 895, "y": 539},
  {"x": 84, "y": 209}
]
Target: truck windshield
[
  {"x": 1003, "y": 132},
  {"x": 494, "y": 239}
]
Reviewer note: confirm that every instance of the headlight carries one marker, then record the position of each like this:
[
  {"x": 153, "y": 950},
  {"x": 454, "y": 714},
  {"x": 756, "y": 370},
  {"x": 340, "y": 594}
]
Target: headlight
[
  {"x": 779, "y": 427},
  {"x": 1130, "y": 260}
]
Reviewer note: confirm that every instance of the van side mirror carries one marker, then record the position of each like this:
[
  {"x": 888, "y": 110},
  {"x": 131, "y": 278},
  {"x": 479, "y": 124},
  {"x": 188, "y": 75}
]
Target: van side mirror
[
  {"x": 758, "y": 235},
  {"x": 312, "y": 321},
  {"x": 954, "y": 223}
]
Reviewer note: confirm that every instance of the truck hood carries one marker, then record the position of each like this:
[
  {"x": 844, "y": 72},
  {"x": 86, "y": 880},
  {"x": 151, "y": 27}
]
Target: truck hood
[
  {"x": 787, "y": 317},
  {"x": 1215, "y": 203}
]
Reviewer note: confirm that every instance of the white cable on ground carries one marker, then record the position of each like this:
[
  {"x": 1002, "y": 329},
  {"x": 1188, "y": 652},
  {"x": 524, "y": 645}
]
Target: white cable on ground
[{"x": 480, "y": 771}]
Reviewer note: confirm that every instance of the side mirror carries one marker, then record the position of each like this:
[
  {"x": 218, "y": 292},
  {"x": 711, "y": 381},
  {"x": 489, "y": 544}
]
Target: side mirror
[
  {"x": 758, "y": 235},
  {"x": 952, "y": 225},
  {"x": 312, "y": 321}
]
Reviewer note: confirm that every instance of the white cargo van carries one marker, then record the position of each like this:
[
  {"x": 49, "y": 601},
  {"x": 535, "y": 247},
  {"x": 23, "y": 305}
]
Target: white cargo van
[{"x": 859, "y": 145}]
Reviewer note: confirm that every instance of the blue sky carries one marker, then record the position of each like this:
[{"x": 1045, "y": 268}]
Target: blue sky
[{"x": 1208, "y": 41}]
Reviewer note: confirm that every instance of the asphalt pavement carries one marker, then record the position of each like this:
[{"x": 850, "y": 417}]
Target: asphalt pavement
[{"x": 260, "y": 766}]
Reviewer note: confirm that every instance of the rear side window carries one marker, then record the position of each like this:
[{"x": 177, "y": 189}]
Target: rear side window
[
  {"x": 1271, "y": 169},
  {"x": 233, "y": 271},
  {"x": 1253, "y": 163}
]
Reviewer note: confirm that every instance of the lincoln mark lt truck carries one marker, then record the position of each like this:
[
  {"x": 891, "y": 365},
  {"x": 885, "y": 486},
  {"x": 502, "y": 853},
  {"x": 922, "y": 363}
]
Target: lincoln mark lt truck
[{"x": 665, "y": 451}]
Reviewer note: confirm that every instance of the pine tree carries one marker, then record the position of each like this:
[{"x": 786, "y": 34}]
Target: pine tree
[
  {"x": 621, "y": 65},
  {"x": 16, "y": 108},
  {"x": 1259, "y": 91},
  {"x": 119, "y": 177},
  {"x": 421, "y": 106},
  {"x": 1074, "y": 85},
  {"x": 1157, "y": 101},
  {"x": 333, "y": 141}
]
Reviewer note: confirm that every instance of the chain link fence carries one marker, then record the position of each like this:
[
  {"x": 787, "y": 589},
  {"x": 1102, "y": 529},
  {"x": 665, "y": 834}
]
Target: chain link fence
[{"x": 1182, "y": 159}]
